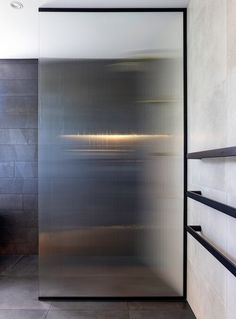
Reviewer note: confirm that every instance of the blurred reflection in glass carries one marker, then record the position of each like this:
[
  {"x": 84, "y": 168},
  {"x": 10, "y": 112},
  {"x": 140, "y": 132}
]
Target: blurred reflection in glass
[{"x": 111, "y": 176}]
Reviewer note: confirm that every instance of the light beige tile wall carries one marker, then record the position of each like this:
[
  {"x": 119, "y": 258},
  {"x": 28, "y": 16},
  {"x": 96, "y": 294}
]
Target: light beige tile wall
[{"x": 212, "y": 124}]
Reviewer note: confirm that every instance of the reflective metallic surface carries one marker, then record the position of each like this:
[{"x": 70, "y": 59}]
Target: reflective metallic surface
[{"x": 110, "y": 173}]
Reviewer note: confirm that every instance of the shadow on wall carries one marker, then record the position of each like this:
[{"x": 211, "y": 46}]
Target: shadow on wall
[{"x": 15, "y": 238}]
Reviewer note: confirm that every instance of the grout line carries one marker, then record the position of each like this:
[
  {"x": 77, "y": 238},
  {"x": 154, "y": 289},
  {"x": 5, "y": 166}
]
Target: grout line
[
  {"x": 18, "y": 260},
  {"x": 46, "y": 314},
  {"x": 17, "y": 79},
  {"x": 13, "y": 265},
  {"x": 18, "y": 95}
]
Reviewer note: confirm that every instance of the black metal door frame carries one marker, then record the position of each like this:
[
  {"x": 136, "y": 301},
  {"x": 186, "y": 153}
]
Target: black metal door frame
[{"x": 184, "y": 11}]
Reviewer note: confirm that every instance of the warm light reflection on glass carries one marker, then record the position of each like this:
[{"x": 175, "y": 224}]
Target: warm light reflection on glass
[{"x": 113, "y": 137}]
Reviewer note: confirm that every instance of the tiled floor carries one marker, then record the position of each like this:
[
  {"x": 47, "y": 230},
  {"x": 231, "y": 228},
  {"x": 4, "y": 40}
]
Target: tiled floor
[{"x": 19, "y": 299}]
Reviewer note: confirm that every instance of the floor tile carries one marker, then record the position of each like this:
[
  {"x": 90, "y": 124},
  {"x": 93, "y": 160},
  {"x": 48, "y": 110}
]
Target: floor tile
[
  {"x": 23, "y": 314},
  {"x": 20, "y": 293},
  {"x": 153, "y": 305},
  {"x": 19, "y": 299},
  {"x": 89, "y": 305},
  {"x": 162, "y": 314},
  {"x": 7, "y": 262},
  {"x": 26, "y": 266},
  {"x": 74, "y": 314}
]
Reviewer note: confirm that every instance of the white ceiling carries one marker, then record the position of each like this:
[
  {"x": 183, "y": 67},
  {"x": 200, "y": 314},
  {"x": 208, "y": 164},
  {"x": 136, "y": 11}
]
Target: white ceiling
[{"x": 19, "y": 29}]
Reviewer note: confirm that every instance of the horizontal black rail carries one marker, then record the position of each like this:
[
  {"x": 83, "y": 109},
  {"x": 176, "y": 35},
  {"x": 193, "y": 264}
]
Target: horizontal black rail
[
  {"x": 219, "y": 152},
  {"x": 226, "y": 262},
  {"x": 226, "y": 209},
  {"x": 142, "y": 9}
]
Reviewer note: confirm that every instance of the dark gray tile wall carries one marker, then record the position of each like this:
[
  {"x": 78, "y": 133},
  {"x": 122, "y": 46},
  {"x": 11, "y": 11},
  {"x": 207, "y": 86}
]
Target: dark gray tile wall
[{"x": 18, "y": 156}]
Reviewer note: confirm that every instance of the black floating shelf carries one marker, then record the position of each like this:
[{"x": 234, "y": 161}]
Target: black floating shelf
[
  {"x": 227, "y": 263},
  {"x": 228, "y": 210},
  {"x": 219, "y": 152}
]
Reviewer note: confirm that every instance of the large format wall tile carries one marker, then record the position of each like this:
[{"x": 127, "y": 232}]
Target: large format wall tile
[
  {"x": 13, "y": 71},
  {"x": 18, "y": 185},
  {"x": 26, "y": 169},
  {"x": 11, "y": 201},
  {"x": 18, "y": 136},
  {"x": 211, "y": 124},
  {"x": 18, "y": 87},
  {"x": 18, "y": 152},
  {"x": 204, "y": 301},
  {"x": 18, "y": 156},
  {"x": 6, "y": 169},
  {"x": 18, "y": 120},
  {"x": 19, "y": 104}
]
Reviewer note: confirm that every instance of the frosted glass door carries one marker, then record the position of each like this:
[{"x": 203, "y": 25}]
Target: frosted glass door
[{"x": 111, "y": 154}]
